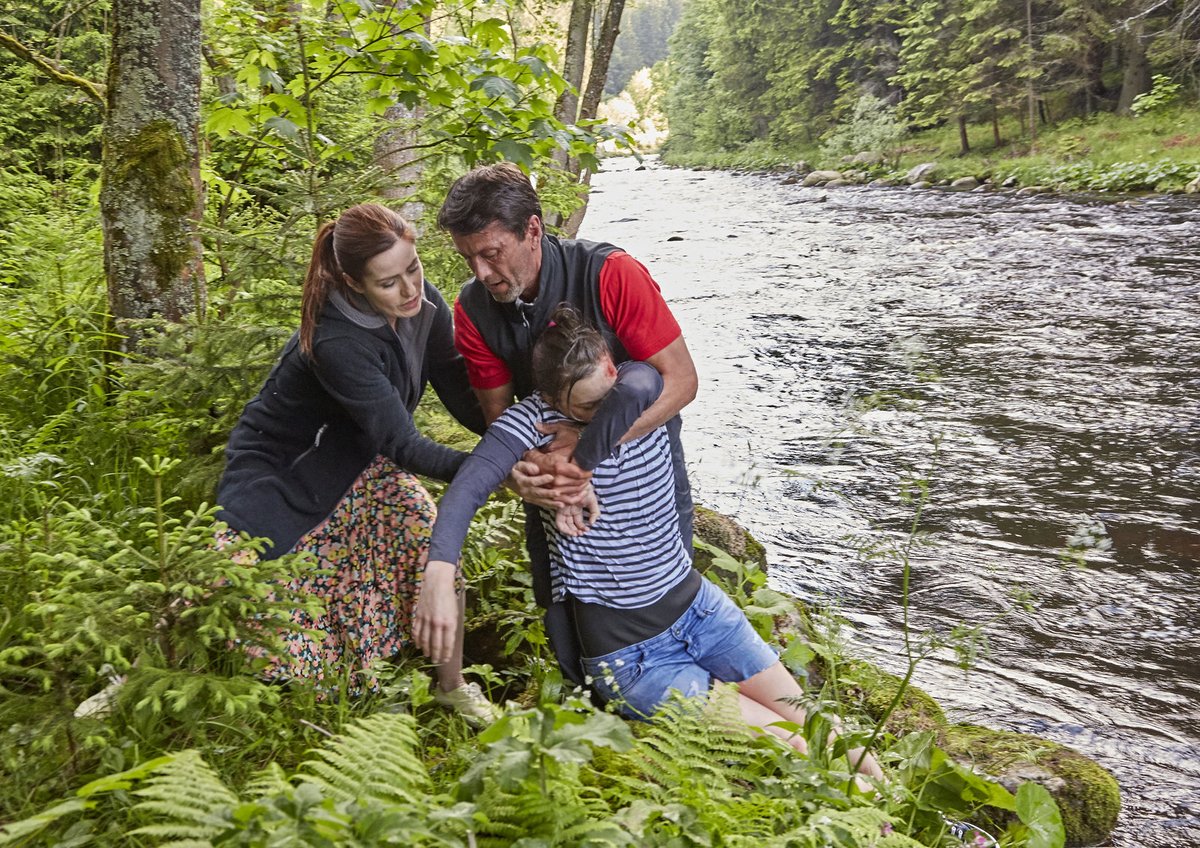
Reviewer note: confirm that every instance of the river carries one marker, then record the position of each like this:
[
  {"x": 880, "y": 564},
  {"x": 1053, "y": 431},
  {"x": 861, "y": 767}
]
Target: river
[{"x": 1036, "y": 362}]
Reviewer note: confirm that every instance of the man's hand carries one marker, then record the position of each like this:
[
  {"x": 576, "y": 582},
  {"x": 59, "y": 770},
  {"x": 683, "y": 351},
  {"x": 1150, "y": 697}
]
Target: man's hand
[
  {"x": 546, "y": 476},
  {"x": 435, "y": 618},
  {"x": 576, "y": 520}
]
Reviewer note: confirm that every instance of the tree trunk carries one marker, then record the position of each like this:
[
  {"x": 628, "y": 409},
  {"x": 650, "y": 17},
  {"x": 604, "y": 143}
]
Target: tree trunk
[
  {"x": 1136, "y": 79},
  {"x": 590, "y": 102},
  {"x": 396, "y": 150},
  {"x": 996, "y": 139},
  {"x": 574, "y": 60},
  {"x": 964, "y": 143},
  {"x": 601, "y": 56},
  {"x": 151, "y": 198}
]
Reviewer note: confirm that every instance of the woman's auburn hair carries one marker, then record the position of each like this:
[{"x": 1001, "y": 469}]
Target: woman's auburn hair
[{"x": 340, "y": 253}]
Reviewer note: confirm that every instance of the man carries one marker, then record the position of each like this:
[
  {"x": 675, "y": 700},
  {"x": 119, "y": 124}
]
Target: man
[{"x": 494, "y": 216}]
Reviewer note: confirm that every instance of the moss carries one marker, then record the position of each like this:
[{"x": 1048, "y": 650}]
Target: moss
[
  {"x": 1087, "y": 795},
  {"x": 723, "y": 532},
  {"x": 874, "y": 689}
]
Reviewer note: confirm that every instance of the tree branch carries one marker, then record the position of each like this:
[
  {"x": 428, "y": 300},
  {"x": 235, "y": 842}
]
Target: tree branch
[{"x": 93, "y": 90}]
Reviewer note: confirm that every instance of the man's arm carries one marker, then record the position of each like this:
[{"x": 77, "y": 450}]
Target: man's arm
[
  {"x": 494, "y": 401},
  {"x": 680, "y": 383}
]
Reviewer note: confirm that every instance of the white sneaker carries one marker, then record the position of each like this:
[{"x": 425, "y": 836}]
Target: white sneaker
[
  {"x": 101, "y": 704},
  {"x": 469, "y": 701}
]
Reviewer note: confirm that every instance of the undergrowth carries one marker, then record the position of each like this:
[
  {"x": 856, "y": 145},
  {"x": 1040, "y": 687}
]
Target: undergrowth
[{"x": 108, "y": 571}]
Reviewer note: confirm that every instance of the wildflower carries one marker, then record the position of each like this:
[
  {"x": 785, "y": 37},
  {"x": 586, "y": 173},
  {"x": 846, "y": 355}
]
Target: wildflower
[{"x": 886, "y": 829}]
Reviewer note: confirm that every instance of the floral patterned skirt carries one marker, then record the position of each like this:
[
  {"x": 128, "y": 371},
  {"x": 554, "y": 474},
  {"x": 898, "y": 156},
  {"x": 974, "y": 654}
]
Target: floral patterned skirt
[{"x": 372, "y": 549}]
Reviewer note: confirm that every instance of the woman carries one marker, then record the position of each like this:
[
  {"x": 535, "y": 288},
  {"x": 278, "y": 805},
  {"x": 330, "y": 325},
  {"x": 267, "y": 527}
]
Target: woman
[
  {"x": 322, "y": 460},
  {"x": 648, "y": 622}
]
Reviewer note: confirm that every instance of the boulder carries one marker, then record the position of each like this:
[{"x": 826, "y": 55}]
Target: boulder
[
  {"x": 867, "y": 157},
  {"x": 964, "y": 184},
  {"x": 791, "y": 179},
  {"x": 1011, "y": 182},
  {"x": 821, "y": 177},
  {"x": 1028, "y": 190},
  {"x": 1087, "y": 795},
  {"x": 921, "y": 184},
  {"x": 1194, "y": 186},
  {"x": 921, "y": 173},
  {"x": 883, "y": 182},
  {"x": 802, "y": 167},
  {"x": 838, "y": 183}
]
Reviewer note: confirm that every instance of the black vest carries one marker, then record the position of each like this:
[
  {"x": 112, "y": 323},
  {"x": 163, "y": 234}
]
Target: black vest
[{"x": 571, "y": 274}]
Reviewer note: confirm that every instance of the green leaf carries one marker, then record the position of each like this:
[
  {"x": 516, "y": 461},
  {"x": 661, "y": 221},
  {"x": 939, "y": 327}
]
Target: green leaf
[
  {"x": 514, "y": 151},
  {"x": 495, "y": 86},
  {"x": 1038, "y": 812},
  {"x": 798, "y": 655},
  {"x": 283, "y": 127}
]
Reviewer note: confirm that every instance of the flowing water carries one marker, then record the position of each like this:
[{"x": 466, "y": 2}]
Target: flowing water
[{"x": 1037, "y": 361}]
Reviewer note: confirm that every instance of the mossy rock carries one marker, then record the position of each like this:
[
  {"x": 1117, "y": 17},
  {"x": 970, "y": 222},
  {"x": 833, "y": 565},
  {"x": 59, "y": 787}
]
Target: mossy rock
[
  {"x": 1087, "y": 795},
  {"x": 872, "y": 690},
  {"x": 723, "y": 532}
]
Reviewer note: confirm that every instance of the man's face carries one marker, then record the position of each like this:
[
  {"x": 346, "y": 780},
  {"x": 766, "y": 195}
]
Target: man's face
[{"x": 506, "y": 265}]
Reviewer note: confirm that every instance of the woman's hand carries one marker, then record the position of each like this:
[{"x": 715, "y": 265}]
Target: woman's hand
[{"x": 435, "y": 618}]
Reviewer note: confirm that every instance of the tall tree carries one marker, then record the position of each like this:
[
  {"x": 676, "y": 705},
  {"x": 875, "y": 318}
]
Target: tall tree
[
  {"x": 150, "y": 194},
  {"x": 151, "y": 198}
]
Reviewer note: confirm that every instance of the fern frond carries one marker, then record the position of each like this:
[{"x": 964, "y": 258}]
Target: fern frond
[
  {"x": 271, "y": 781},
  {"x": 190, "y": 796},
  {"x": 372, "y": 759}
]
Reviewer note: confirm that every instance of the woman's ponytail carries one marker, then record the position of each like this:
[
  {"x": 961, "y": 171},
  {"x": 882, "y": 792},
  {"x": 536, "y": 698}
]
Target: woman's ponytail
[{"x": 321, "y": 278}]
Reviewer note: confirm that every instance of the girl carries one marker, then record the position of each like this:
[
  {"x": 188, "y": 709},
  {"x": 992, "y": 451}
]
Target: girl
[{"x": 648, "y": 622}]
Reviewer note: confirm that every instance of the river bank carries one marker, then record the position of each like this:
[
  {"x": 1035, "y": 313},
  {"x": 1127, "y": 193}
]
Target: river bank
[
  {"x": 1015, "y": 355},
  {"x": 1157, "y": 152}
]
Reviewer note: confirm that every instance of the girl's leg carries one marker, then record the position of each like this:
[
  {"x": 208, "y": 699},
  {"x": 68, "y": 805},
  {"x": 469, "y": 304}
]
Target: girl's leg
[
  {"x": 756, "y": 715},
  {"x": 777, "y": 692}
]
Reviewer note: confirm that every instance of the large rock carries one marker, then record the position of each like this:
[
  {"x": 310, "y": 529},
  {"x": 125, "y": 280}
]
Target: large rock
[
  {"x": 922, "y": 184},
  {"x": 964, "y": 184},
  {"x": 821, "y": 177},
  {"x": 723, "y": 532},
  {"x": 924, "y": 172},
  {"x": 867, "y": 157},
  {"x": 1030, "y": 190},
  {"x": 1194, "y": 186},
  {"x": 1087, "y": 795}
]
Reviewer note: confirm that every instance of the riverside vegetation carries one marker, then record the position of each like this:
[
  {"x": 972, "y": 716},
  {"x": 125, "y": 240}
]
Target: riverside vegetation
[
  {"x": 1061, "y": 94},
  {"x": 110, "y": 447},
  {"x": 109, "y": 570}
]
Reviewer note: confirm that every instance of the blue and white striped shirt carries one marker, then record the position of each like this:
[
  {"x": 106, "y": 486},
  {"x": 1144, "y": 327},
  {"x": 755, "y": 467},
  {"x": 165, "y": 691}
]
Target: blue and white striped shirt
[{"x": 633, "y": 554}]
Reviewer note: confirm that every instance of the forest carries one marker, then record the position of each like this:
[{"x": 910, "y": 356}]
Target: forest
[
  {"x": 163, "y": 167},
  {"x": 1047, "y": 91}
]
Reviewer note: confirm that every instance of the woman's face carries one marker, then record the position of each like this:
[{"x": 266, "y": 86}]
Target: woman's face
[
  {"x": 581, "y": 400},
  {"x": 393, "y": 281}
]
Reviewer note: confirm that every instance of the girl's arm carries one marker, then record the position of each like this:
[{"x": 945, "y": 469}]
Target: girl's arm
[
  {"x": 435, "y": 619},
  {"x": 637, "y": 388}
]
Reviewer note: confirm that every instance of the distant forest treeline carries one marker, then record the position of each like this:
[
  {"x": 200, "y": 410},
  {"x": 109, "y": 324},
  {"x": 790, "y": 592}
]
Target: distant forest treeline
[{"x": 782, "y": 73}]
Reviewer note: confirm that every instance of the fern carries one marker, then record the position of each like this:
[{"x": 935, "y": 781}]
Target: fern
[
  {"x": 373, "y": 759},
  {"x": 190, "y": 796}
]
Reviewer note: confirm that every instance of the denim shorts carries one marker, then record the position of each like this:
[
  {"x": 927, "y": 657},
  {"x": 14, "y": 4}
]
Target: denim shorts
[{"x": 711, "y": 642}]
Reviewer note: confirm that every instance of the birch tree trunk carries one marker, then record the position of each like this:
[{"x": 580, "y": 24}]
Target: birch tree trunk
[
  {"x": 396, "y": 150},
  {"x": 151, "y": 198},
  {"x": 590, "y": 101}
]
